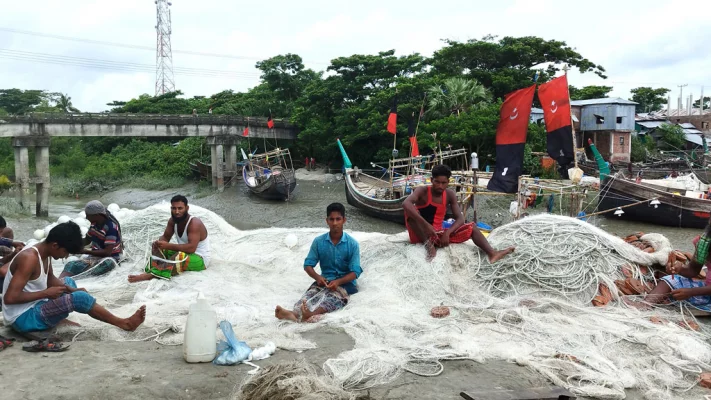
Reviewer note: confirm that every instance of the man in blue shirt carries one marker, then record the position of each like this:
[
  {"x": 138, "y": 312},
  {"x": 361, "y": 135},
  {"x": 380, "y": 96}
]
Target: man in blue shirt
[{"x": 338, "y": 254}]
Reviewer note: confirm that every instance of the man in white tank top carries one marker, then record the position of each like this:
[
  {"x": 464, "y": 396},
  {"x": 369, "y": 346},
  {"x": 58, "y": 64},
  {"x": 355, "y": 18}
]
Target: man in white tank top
[
  {"x": 35, "y": 300},
  {"x": 190, "y": 252}
]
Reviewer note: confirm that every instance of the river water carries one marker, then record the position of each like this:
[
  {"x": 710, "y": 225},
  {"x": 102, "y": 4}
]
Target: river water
[{"x": 306, "y": 210}]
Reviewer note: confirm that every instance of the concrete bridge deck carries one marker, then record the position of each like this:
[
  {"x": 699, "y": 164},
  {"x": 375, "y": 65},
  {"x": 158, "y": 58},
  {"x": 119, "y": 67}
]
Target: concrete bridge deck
[
  {"x": 36, "y": 129},
  {"x": 142, "y": 125}
]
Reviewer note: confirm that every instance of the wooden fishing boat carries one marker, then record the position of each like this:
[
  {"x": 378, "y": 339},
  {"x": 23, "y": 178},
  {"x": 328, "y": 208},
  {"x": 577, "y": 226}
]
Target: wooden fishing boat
[
  {"x": 677, "y": 207},
  {"x": 203, "y": 170},
  {"x": 383, "y": 199},
  {"x": 270, "y": 175}
]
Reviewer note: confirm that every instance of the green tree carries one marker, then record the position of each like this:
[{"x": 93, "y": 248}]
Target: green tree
[
  {"x": 589, "y": 92},
  {"x": 649, "y": 99},
  {"x": 16, "y": 101},
  {"x": 286, "y": 76},
  {"x": 672, "y": 137},
  {"x": 64, "y": 104},
  {"x": 455, "y": 96},
  {"x": 510, "y": 63},
  {"x": 707, "y": 103}
]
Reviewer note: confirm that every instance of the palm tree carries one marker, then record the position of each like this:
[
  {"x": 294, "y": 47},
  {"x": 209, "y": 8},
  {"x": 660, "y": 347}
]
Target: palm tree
[
  {"x": 456, "y": 95},
  {"x": 64, "y": 103}
]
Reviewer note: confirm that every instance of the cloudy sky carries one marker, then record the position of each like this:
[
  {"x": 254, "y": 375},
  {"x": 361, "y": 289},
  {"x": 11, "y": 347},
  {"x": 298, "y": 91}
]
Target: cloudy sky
[{"x": 640, "y": 43}]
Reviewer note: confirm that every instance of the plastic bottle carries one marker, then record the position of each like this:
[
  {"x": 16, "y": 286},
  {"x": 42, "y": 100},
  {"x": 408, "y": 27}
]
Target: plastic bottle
[
  {"x": 446, "y": 224},
  {"x": 200, "y": 341}
]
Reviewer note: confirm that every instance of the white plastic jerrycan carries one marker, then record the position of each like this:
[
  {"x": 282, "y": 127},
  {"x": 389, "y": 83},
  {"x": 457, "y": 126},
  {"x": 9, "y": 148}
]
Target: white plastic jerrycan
[{"x": 200, "y": 342}]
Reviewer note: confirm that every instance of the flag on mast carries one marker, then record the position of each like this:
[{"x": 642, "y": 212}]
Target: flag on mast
[
  {"x": 511, "y": 133},
  {"x": 556, "y": 114},
  {"x": 392, "y": 118}
]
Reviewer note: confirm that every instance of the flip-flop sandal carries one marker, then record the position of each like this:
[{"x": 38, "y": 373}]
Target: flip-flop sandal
[
  {"x": 6, "y": 342},
  {"x": 44, "y": 345}
]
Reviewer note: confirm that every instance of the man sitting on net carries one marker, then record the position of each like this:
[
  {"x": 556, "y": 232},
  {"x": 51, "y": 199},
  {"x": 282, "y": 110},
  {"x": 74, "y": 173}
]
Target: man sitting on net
[
  {"x": 191, "y": 252},
  {"x": 35, "y": 300},
  {"x": 425, "y": 210},
  {"x": 338, "y": 254}
]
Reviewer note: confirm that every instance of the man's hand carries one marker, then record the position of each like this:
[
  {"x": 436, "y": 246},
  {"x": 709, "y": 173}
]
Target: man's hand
[
  {"x": 444, "y": 239},
  {"x": 333, "y": 285},
  {"x": 18, "y": 245},
  {"x": 321, "y": 281},
  {"x": 671, "y": 268},
  {"x": 70, "y": 289},
  {"x": 161, "y": 244},
  {"x": 55, "y": 291},
  {"x": 682, "y": 294}
]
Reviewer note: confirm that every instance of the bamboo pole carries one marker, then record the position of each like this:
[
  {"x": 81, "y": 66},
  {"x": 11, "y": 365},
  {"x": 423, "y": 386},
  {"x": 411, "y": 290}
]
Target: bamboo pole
[{"x": 572, "y": 125}]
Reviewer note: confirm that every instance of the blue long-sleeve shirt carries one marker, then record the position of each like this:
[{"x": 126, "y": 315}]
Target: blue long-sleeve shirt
[
  {"x": 336, "y": 260},
  {"x": 6, "y": 242}
]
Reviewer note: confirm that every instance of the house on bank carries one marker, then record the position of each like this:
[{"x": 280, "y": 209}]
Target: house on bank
[{"x": 609, "y": 123}]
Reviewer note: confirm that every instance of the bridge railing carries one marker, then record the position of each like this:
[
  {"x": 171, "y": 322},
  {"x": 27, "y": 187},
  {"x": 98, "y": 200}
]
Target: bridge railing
[{"x": 141, "y": 119}]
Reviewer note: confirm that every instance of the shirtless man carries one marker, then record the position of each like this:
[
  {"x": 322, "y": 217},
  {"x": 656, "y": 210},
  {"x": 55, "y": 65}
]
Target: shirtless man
[
  {"x": 192, "y": 247},
  {"x": 35, "y": 300},
  {"x": 425, "y": 209}
]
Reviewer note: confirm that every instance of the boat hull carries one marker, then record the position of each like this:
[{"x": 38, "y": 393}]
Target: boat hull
[
  {"x": 275, "y": 187},
  {"x": 673, "y": 210},
  {"x": 389, "y": 210}
]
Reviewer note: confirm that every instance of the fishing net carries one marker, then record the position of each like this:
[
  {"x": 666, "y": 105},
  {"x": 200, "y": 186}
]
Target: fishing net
[{"x": 532, "y": 308}]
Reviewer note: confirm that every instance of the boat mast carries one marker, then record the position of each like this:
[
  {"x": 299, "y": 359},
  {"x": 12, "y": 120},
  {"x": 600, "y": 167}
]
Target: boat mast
[{"x": 572, "y": 125}]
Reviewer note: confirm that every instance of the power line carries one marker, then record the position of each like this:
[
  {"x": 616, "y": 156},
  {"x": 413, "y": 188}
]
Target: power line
[
  {"x": 44, "y": 58},
  {"x": 133, "y": 46}
]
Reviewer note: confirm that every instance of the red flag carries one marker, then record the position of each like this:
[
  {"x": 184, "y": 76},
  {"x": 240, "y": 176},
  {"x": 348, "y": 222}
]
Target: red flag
[
  {"x": 270, "y": 122},
  {"x": 556, "y": 113},
  {"x": 555, "y": 102},
  {"x": 392, "y": 119},
  {"x": 412, "y": 133},
  {"x": 514, "y": 116},
  {"x": 245, "y": 132},
  {"x": 511, "y": 140}
]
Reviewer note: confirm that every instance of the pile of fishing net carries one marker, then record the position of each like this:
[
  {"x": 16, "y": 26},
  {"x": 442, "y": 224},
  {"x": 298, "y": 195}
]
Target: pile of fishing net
[{"x": 532, "y": 308}]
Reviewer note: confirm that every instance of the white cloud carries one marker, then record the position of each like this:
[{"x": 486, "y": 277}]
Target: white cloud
[{"x": 640, "y": 43}]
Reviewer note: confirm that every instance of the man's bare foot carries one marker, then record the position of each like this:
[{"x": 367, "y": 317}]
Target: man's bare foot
[
  {"x": 135, "y": 320},
  {"x": 305, "y": 312},
  {"x": 431, "y": 250},
  {"x": 282, "y": 313},
  {"x": 139, "y": 278},
  {"x": 498, "y": 255}
]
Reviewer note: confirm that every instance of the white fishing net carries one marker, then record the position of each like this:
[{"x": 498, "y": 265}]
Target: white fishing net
[{"x": 532, "y": 308}]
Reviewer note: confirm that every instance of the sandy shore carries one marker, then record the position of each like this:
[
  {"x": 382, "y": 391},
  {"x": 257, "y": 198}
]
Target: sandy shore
[{"x": 148, "y": 370}]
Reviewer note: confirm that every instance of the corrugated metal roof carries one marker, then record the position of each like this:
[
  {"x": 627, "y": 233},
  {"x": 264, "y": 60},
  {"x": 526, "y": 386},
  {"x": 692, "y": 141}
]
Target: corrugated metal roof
[
  {"x": 674, "y": 112},
  {"x": 607, "y": 100},
  {"x": 687, "y": 125},
  {"x": 693, "y": 131},
  {"x": 694, "y": 138},
  {"x": 535, "y": 110},
  {"x": 652, "y": 124}
]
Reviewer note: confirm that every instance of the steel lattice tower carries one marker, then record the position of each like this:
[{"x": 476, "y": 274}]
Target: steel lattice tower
[{"x": 164, "y": 54}]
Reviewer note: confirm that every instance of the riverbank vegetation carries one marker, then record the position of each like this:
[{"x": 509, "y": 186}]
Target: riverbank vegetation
[{"x": 452, "y": 98}]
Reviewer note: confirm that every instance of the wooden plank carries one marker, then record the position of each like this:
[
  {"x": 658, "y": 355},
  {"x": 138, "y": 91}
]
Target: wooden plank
[{"x": 539, "y": 393}]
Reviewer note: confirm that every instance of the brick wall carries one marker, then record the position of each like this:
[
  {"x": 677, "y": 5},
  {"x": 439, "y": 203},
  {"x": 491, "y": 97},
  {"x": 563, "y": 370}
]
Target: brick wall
[
  {"x": 700, "y": 122},
  {"x": 620, "y": 146}
]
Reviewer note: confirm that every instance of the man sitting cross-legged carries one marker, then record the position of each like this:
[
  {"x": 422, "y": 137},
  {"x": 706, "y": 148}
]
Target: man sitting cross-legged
[{"x": 338, "y": 253}]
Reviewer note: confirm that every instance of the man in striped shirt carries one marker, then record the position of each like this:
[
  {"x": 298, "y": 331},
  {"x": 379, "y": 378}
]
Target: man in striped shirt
[{"x": 106, "y": 245}]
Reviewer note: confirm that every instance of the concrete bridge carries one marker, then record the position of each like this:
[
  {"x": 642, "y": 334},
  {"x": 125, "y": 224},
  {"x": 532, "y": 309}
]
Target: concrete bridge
[{"x": 223, "y": 132}]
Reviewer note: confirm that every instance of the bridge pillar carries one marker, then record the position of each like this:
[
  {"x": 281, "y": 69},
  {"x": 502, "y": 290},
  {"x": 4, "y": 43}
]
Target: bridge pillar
[
  {"x": 231, "y": 163},
  {"x": 219, "y": 168},
  {"x": 213, "y": 162},
  {"x": 22, "y": 176},
  {"x": 42, "y": 169}
]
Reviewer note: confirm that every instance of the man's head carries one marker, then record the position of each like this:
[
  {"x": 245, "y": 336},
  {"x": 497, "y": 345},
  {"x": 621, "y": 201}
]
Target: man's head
[
  {"x": 95, "y": 212},
  {"x": 3, "y": 224},
  {"x": 440, "y": 178},
  {"x": 179, "y": 208},
  {"x": 64, "y": 239},
  {"x": 335, "y": 217}
]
